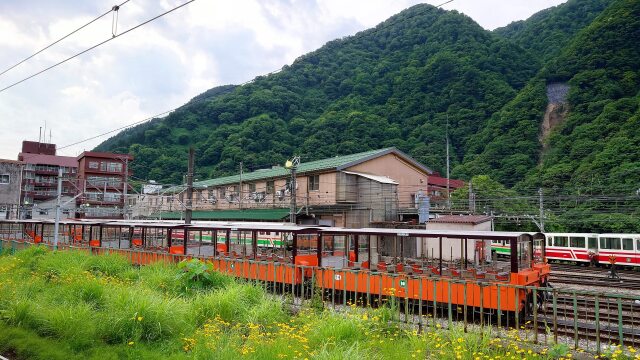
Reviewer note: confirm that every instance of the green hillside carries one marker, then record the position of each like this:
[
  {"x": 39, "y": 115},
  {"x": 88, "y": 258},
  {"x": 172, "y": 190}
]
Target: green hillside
[
  {"x": 593, "y": 151},
  {"x": 547, "y": 32},
  {"x": 399, "y": 83},
  {"x": 388, "y": 86}
]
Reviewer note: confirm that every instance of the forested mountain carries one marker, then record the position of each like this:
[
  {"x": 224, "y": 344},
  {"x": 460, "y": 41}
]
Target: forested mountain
[
  {"x": 547, "y": 32},
  {"x": 400, "y": 83},
  {"x": 392, "y": 85}
]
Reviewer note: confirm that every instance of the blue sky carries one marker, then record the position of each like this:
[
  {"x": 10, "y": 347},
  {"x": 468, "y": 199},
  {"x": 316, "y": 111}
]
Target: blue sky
[{"x": 164, "y": 64}]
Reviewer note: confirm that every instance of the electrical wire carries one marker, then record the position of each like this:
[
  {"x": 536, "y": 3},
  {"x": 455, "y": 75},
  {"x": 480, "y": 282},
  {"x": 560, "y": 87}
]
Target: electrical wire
[
  {"x": 64, "y": 37},
  {"x": 95, "y": 46},
  {"x": 118, "y": 129}
]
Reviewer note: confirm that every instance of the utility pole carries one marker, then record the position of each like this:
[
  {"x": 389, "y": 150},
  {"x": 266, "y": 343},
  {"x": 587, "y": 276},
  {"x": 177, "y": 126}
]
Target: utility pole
[
  {"x": 472, "y": 199},
  {"x": 293, "y": 165},
  {"x": 57, "y": 223},
  {"x": 126, "y": 186},
  {"x": 240, "y": 188},
  {"x": 293, "y": 194},
  {"x": 541, "y": 210},
  {"x": 188, "y": 211},
  {"x": 448, "y": 191}
]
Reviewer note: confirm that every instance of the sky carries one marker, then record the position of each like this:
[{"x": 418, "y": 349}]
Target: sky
[{"x": 163, "y": 64}]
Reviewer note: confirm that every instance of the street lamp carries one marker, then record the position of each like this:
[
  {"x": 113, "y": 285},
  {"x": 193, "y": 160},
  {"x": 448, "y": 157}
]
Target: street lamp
[{"x": 292, "y": 165}]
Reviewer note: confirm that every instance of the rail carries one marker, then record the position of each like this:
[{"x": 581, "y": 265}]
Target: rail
[{"x": 596, "y": 322}]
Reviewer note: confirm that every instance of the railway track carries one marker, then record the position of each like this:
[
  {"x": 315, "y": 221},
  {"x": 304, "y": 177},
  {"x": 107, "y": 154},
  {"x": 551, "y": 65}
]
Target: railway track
[
  {"x": 600, "y": 271},
  {"x": 599, "y": 281}
]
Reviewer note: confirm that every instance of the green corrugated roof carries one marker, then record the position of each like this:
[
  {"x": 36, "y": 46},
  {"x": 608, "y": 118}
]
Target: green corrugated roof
[
  {"x": 311, "y": 166},
  {"x": 246, "y": 214}
]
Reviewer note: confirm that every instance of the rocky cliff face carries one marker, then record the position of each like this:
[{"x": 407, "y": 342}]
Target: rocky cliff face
[{"x": 557, "y": 110}]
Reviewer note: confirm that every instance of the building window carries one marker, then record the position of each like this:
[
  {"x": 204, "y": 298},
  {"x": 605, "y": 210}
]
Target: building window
[
  {"x": 114, "y": 167},
  {"x": 222, "y": 192},
  {"x": 271, "y": 187},
  {"x": 4, "y": 179},
  {"x": 314, "y": 182},
  {"x": 252, "y": 187}
]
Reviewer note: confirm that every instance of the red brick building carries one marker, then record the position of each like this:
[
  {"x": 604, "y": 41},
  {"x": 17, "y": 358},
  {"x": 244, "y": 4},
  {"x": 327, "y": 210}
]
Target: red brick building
[
  {"x": 103, "y": 177},
  {"x": 40, "y": 177}
]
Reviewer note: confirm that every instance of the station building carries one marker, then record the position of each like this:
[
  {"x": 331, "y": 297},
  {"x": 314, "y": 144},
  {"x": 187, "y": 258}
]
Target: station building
[{"x": 351, "y": 191}]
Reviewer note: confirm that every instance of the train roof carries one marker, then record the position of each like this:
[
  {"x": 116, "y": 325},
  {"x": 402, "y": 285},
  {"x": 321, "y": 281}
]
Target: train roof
[
  {"x": 572, "y": 234},
  {"x": 289, "y": 227},
  {"x": 485, "y": 235},
  {"x": 234, "y": 226},
  {"x": 621, "y": 235},
  {"x": 144, "y": 224}
]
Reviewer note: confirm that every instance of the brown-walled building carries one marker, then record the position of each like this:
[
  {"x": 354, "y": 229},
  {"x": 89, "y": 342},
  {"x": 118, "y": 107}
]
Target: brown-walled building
[
  {"x": 103, "y": 177},
  {"x": 40, "y": 179},
  {"x": 351, "y": 190}
]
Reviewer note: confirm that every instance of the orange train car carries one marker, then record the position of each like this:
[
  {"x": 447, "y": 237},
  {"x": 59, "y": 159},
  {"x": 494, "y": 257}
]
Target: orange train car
[{"x": 364, "y": 262}]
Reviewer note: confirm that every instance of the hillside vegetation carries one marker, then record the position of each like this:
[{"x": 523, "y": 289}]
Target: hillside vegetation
[{"x": 400, "y": 83}]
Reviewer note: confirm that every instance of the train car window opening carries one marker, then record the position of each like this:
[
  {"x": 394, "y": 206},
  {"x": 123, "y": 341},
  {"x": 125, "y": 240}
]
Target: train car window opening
[
  {"x": 610, "y": 243},
  {"x": 561, "y": 241},
  {"x": 578, "y": 242},
  {"x": 549, "y": 240},
  {"x": 638, "y": 245},
  {"x": 593, "y": 243},
  {"x": 627, "y": 244},
  {"x": 537, "y": 250},
  {"x": 524, "y": 255}
]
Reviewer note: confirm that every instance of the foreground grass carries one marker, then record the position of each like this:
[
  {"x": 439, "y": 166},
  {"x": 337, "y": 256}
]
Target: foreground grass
[{"x": 68, "y": 305}]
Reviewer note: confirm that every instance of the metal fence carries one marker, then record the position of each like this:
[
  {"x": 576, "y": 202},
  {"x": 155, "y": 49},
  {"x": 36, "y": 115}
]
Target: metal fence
[{"x": 583, "y": 320}]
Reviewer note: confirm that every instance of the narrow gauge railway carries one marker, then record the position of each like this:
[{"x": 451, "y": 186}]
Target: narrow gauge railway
[{"x": 419, "y": 266}]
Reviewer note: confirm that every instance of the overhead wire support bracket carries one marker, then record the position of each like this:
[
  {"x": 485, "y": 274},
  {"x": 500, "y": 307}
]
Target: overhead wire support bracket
[
  {"x": 114, "y": 20},
  {"x": 96, "y": 45}
]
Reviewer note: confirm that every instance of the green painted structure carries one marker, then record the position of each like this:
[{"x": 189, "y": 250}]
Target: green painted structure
[{"x": 245, "y": 214}]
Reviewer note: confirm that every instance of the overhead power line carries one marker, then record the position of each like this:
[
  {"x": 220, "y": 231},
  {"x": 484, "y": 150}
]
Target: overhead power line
[
  {"x": 115, "y": 8},
  {"x": 118, "y": 129},
  {"x": 96, "y": 45}
]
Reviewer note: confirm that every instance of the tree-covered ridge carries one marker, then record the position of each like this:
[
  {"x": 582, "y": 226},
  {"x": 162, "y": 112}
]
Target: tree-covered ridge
[
  {"x": 393, "y": 85},
  {"x": 594, "y": 151},
  {"x": 547, "y": 32},
  {"x": 598, "y": 142}
]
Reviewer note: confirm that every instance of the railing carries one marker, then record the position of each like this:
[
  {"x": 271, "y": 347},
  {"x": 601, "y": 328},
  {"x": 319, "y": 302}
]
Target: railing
[{"x": 582, "y": 320}]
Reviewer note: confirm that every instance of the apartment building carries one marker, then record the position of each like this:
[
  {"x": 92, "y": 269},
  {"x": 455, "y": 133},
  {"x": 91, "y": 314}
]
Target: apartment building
[{"x": 103, "y": 178}]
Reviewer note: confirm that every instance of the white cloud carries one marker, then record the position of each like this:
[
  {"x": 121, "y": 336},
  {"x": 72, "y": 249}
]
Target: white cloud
[{"x": 167, "y": 62}]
